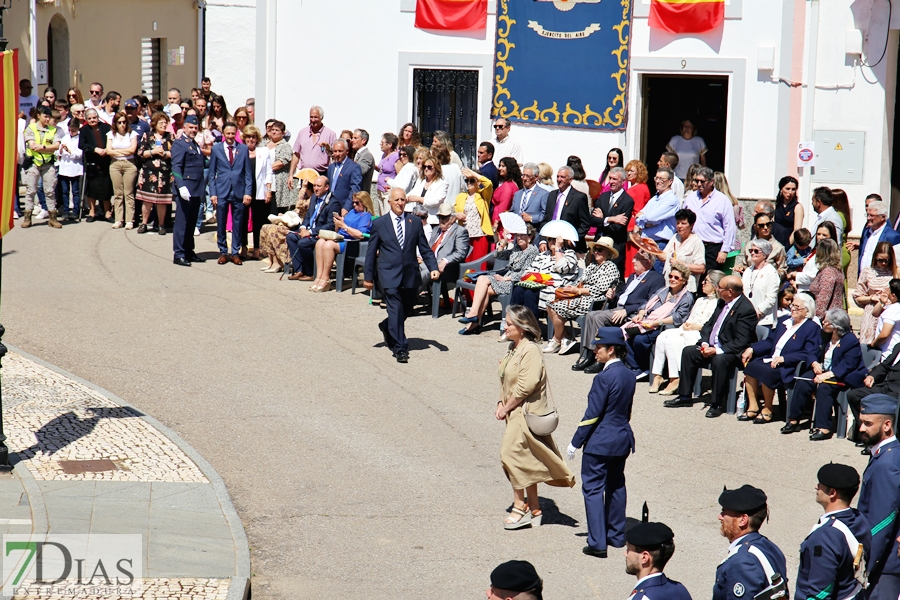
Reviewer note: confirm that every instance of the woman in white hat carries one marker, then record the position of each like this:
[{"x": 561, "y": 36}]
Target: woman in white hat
[{"x": 599, "y": 276}]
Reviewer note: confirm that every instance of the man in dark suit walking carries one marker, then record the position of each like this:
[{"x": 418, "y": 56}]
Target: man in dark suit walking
[
  {"x": 730, "y": 330},
  {"x": 606, "y": 437},
  {"x": 187, "y": 167},
  {"x": 392, "y": 245},
  {"x": 568, "y": 204},
  {"x": 302, "y": 243},
  {"x": 344, "y": 174},
  {"x": 230, "y": 185},
  {"x": 612, "y": 212}
]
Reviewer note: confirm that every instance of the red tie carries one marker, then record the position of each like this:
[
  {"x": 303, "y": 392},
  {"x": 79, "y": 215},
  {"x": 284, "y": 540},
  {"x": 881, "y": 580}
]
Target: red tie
[
  {"x": 437, "y": 244},
  {"x": 231, "y": 155}
]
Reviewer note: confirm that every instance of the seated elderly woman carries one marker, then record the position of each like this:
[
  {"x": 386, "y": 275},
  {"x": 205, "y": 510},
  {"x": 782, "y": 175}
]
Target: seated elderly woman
[
  {"x": 840, "y": 361},
  {"x": 672, "y": 341},
  {"x": 598, "y": 277},
  {"x": 355, "y": 225},
  {"x": 770, "y": 363},
  {"x": 761, "y": 282},
  {"x": 559, "y": 263},
  {"x": 669, "y": 305},
  {"x": 520, "y": 254}
]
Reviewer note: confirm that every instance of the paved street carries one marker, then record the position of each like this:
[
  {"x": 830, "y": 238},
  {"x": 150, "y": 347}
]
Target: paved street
[{"x": 352, "y": 473}]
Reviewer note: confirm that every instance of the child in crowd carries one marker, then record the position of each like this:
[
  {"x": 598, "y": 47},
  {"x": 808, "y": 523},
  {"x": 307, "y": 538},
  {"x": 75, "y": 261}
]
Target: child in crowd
[
  {"x": 785, "y": 298},
  {"x": 800, "y": 252},
  {"x": 888, "y": 312},
  {"x": 70, "y": 171}
]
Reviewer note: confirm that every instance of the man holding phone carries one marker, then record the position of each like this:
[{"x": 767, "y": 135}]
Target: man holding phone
[{"x": 323, "y": 207}]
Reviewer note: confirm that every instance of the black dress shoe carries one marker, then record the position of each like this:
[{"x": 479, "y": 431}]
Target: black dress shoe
[
  {"x": 859, "y": 444},
  {"x": 389, "y": 341},
  {"x": 713, "y": 412},
  {"x": 594, "y": 368},
  {"x": 402, "y": 356},
  {"x": 678, "y": 402},
  {"x": 583, "y": 362},
  {"x": 791, "y": 428},
  {"x": 820, "y": 435},
  {"x": 195, "y": 258},
  {"x": 594, "y": 552},
  {"x": 182, "y": 262},
  {"x": 90, "y": 219},
  {"x": 866, "y": 452}
]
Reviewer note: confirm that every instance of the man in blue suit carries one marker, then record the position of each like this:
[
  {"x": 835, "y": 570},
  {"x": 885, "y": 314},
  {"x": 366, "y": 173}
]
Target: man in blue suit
[
  {"x": 879, "y": 498},
  {"x": 649, "y": 547},
  {"x": 302, "y": 243},
  {"x": 606, "y": 437},
  {"x": 530, "y": 202},
  {"x": 392, "y": 245},
  {"x": 752, "y": 559},
  {"x": 230, "y": 185},
  {"x": 344, "y": 174},
  {"x": 187, "y": 167},
  {"x": 877, "y": 230}
]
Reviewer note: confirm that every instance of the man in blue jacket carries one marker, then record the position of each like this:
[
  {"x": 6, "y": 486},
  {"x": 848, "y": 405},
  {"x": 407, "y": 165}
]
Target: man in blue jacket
[
  {"x": 606, "y": 437},
  {"x": 879, "y": 497},
  {"x": 302, "y": 243},
  {"x": 230, "y": 185},
  {"x": 530, "y": 202},
  {"x": 649, "y": 547},
  {"x": 187, "y": 167},
  {"x": 833, "y": 555},
  {"x": 753, "y": 563},
  {"x": 344, "y": 174}
]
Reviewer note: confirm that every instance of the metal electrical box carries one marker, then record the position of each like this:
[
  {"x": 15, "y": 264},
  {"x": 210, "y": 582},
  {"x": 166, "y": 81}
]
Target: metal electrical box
[{"x": 839, "y": 156}]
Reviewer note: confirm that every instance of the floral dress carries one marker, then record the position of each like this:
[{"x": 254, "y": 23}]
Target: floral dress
[
  {"x": 563, "y": 272},
  {"x": 155, "y": 180},
  {"x": 519, "y": 262},
  {"x": 871, "y": 282},
  {"x": 597, "y": 278},
  {"x": 283, "y": 196}
]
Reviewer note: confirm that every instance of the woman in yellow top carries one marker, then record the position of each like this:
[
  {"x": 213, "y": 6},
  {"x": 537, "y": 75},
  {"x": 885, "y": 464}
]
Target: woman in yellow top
[
  {"x": 527, "y": 459},
  {"x": 473, "y": 213}
]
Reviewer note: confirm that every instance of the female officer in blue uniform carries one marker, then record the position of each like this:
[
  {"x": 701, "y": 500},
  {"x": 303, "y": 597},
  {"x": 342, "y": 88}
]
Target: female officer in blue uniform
[
  {"x": 649, "y": 547},
  {"x": 838, "y": 542},
  {"x": 754, "y": 564}
]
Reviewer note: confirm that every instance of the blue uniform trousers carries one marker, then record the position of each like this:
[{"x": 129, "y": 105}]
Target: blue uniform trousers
[
  {"x": 237, "y": 211},
  {"x": 603, "y": 486},
  {"x": 183, "y": 232}
]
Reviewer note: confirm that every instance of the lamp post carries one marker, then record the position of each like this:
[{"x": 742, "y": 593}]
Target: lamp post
[{"x": 5, "y": 5}]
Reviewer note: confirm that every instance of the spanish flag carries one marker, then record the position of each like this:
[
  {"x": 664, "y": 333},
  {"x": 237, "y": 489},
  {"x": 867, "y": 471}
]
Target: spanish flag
[
  {"x": 686, "y": 16},
  {"x": 9, "y": 100},
  {"x": 451, "y": 15}
]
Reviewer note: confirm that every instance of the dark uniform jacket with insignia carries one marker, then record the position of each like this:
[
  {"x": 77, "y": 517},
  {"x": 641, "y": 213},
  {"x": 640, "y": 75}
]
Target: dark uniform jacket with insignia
[
  {"x": 879, "y": 501},
  {"x": 743, "y": 573},
  {"x": 826, "y": 560},
  {"x": 659, "y": 587}
]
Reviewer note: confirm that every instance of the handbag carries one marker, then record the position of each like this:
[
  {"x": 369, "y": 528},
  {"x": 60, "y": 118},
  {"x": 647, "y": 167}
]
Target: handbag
[
  {"x": 542, "y": 424},
  {"x": 562, "y": 294},
  {"x": 327, "y": 234}
]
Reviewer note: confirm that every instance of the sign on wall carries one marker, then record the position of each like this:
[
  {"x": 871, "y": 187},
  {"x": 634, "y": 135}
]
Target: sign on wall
[{"x": 562, "y": 63}]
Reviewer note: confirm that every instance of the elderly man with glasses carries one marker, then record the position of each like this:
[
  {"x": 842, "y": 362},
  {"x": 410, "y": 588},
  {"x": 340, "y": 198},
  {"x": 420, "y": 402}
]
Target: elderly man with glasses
[
  {"x": 877, "y": 230},
  {"x": 715, "y": 218},
  {"x": 657, "y": 219},
  {"x": 504, "y": 145}
]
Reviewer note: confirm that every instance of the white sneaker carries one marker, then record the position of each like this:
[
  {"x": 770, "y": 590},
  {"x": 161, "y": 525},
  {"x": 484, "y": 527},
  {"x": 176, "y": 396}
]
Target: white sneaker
[
  {"x": 43, "y": 215},
  {"x": 566, "y": 346},
  {"x": 129, "y": 225},
  {"x": 196, "y": 231},
  {"x": 551, "y": 347}
]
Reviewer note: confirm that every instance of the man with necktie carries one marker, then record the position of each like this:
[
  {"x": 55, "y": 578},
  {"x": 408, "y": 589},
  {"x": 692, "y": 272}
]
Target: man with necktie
[
  {"x": 530, "y": 202},
  {"x": 230, "y": 186},
  {"x": 730, "y": 330},
  {"x": 879, "y": 497},
  {"x": 833, "y": 555},
  {"x": 302, "y": 243},
  {"x": 187, "y": 168},
  {"x": 648, "y": 547},
  {"x": 344, "y": 174},
  {"x": 568, "y": 204},
  {"x": 612, "y": 212},
  {"x": 392, "y": 250}
]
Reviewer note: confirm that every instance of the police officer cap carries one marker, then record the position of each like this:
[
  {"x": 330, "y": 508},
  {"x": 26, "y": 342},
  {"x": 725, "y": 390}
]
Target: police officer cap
[
  {"x": 610, "y": 336},
  {"x": 879, "y": 404},
  {"x": 839, "y": 477},
  {"x": 515, "y": 576},
  {"x": 745, "y": 500},
  {"x": 192, "y": 119},
  {"x": 649, "y": 535}
]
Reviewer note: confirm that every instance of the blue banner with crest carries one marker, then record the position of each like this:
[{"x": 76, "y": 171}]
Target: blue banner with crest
[{"x": 562, "y": 63}]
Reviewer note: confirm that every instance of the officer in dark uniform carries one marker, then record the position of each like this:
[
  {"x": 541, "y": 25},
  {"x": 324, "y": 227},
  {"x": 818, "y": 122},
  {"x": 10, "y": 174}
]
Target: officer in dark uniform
[
  {"x": 607, "y": 438},
  {"x": 879, "y": 497},
  {"x": 513, "y": 578},
  {"x": 649, "y": 546},
  {"x": 187, "y": 167},
  {"x": 834, "y": 552},
  {"x": 754, "y": 564}
]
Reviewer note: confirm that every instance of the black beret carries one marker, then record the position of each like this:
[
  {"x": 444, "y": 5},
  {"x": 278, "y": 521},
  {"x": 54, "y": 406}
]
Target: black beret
[
  {"x": 839, "y": 477},
  {"x": 649, "y": 535},
  {"x": 515, "y": 576},
  {"x": 746, "y": 499}
]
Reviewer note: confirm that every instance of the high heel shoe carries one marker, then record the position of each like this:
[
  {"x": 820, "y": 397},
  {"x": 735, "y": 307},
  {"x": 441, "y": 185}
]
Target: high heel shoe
[
  {"x": 471, "y": 331},
  {"x": 524, "y": 520},
  {"x": 467, "y": 320},
  {"x": 536, "y": 517}
]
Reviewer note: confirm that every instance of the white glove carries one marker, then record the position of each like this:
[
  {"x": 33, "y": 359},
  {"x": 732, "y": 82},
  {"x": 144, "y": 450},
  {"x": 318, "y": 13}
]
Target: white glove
[
  {"x": 570, "y": 452},
  {"x": 184, "y": 193}
]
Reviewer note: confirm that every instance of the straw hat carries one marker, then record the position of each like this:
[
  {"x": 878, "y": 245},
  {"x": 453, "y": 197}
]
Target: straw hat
[{"x": 607, "y": 243}]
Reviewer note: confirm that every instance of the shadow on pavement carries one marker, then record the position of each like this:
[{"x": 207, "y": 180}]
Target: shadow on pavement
[{"x": 69, "y": 427}]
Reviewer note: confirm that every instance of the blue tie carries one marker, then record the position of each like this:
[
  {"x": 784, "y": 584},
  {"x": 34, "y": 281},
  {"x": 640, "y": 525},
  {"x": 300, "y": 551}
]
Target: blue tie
[{"x": 400, "y": 230}]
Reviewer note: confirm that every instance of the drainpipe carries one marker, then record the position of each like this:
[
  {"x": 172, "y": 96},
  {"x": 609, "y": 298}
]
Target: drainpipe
[
  {"x": 201, "y": 40},
  {"x": 809, "y": 103},
  {"x": 34, "y": 47}
]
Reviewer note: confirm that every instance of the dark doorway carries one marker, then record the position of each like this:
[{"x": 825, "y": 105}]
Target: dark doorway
[
  {"x": 448, "y": 100},
  {"x": 667, "y": 101}
]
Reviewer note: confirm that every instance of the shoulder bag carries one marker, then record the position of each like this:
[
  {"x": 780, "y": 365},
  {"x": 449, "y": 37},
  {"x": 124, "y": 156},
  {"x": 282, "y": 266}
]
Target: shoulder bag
[{"x": 542, "y": 424}]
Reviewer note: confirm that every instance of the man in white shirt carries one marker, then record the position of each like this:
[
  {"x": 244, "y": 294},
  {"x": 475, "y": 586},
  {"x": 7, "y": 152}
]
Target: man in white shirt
[
  {"x": 110, "y": 107},
  {"x": 95, "y": 99},
  {"x": 504, "y": 145},
  {"x": 822, "y": 201},
  {"x": 27, "y": 100}
]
